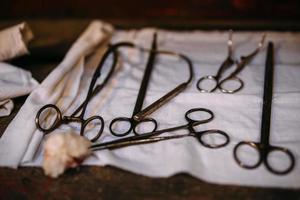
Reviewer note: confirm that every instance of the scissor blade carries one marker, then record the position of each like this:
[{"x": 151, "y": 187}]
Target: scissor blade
[
  {"x": 144, "y": 85},
  {"x": 117, "y": 145},
  {"x": 267, "y": 97}
]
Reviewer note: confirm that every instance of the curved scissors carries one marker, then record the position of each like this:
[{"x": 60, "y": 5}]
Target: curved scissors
[
  {"x": 78, "y": 116},
  {"x": 229, "y": 61},
  {"x": 139, "y": 116},
  {"x": 263, "y": 148},
  {"x": 192, "y": 123}
]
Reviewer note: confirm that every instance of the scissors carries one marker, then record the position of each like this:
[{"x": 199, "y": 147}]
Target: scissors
[
  {"x": 220, "y": 83},
  {"x": 78, "y": 114},
  {"x": 194, "y": 118},
  {"x": 139, "y": 116},
  {"x": 263, "y": 148}
]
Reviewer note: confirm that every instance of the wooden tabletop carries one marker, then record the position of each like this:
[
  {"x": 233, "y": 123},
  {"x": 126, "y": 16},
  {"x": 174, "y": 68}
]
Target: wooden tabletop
[{"x": 52, "y": 39}]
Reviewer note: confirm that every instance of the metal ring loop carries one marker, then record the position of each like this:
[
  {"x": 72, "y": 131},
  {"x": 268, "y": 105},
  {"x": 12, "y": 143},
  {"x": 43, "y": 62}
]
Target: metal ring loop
[
  {"x": 55, "y": 124},
  {"x": 143, "y": 121},
  {"x": 125, "y": 119},
  {"x": 231, "y": 79},
  {"x": 207, "y": 78},
  {"x": 99, "y": 133},
  {"x": 286, "y": 152},
  {"x": 197, "y": 122},
  {"x": 252, "y": 145},
  {"x": 199, "y": 136}
]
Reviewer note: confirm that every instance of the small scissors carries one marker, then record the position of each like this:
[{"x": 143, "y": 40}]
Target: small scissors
[
  {"x": 78, "y": 116},
  {"x": 229, "y": 61},
  {"x": 263, "y": 148},
  {"x": 191, "y": 117},
  {"x": 139, "y": 116}
]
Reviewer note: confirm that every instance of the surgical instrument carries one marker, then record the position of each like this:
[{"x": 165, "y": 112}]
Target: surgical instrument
[
  {"x": 219, "y": 83},
  {"x": 139, "y": 116},
  {"x": 191, "y": 117},
  {"x": 78, "y": 116},
  {"x": 263, "y": 148}
]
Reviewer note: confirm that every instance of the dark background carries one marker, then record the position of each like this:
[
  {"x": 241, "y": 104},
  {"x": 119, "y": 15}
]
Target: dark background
[{"x": 180, "y": 11}]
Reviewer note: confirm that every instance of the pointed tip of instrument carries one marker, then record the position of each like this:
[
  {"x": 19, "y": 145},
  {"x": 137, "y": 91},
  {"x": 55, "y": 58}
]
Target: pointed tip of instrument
[
  {"x": 270, "y": 52},
  {"x": 154, "y": 42},
  {"x": 230, "y": 31},
  {"x": 155, "y": 34},
  {"x": 229, "y": 42},
  {"x": 262, "y": 41},
  {"x": 270, "y": 44}
]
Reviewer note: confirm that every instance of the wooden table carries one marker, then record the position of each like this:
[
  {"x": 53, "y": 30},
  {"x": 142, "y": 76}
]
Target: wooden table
[{"x": 52, "y": 40}]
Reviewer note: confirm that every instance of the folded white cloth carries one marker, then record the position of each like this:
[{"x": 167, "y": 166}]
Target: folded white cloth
[
  {"x": 6, "y": 107},
  {"x": 60, "y": 87},
  {"x": 238, "y": 114},
  {"x": 14, "y": 81}
]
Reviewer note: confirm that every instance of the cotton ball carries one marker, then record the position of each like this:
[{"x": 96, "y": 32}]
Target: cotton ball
[{"x": 63, "y": 151}]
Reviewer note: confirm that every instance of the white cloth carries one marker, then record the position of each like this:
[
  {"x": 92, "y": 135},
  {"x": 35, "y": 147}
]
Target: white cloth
[
  {"x": 6, "y": 107},
  {"x": 14, "y": 81},
  {"x": 60, "y": 88},
  {"x": 239, "y": 114}
]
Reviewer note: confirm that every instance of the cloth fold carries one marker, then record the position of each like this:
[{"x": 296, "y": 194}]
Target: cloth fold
[
  {"x": 237, "y": 114},
  {"x": 6, "y": 107},
  {"x": 61, "y": 83},
  {"x": 14, "y": 81}
]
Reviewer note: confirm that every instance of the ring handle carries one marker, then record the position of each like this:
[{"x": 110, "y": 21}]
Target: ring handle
[
  {"x": 136, "y": 132},
  {"x": 118, "y": 120},
  {"x": 86, "y": 122},
  {"x": 55, "y": 124},
  {"x": 253, "y": 145},
  {"x": 231, "y": 91},
  {"x": 201, "y": 134},
  {"x": 196, "y": 122},
  {"x": 213, "y": 78},
  {"x": 286, "y": 152}
]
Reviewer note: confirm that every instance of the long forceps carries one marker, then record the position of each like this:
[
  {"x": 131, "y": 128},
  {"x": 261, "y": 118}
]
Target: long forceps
[
  {"x": 140, "y": 97},
  {"x": 77, "y": 116},
  {"x": 140, "y": 116},
  {"x": 194, "y": 118},
  {"x": 263, "y": 148},
  {"x": 171, "y": 94},
  {"x": 219, "y": 83}
]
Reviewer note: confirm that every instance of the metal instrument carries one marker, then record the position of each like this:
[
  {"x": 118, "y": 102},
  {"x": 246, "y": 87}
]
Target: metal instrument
[
  {"x": 139, "y": 116},
  {"x": 78, "y": 114},
  {"x": 219, "y": 81},
  {"x": 194, "y": 118},
  {"x": 263, "y": 148}
]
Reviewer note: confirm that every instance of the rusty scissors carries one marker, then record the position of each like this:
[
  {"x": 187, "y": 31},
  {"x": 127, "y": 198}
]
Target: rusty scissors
[
  {"x": 263, "y": 148},
  {"x": 139, "y": 115},
  {"x": 97, "y": 122},
  {"x": 219, "y": 80}
]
